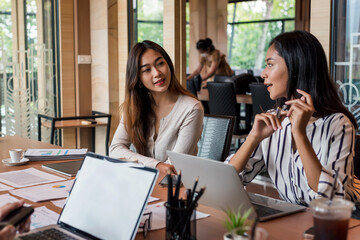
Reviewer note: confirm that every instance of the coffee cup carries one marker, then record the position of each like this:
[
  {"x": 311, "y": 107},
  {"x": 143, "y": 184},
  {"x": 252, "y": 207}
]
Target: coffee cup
[
  {"x": 16, "y": 155},
  {"x": 331, "y": 218}
]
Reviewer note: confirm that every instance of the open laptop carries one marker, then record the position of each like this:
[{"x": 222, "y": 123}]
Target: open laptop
[
  {"x": 106, "y": 201},
  {"x": 224, "y": 189}
]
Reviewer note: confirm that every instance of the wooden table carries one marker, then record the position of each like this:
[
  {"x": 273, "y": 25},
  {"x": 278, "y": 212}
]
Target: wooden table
[
  {"x": 203, "y": 95},
  {"x": 288, "y": 227}
]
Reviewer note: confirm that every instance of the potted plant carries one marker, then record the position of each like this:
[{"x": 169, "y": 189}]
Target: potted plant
[{"x": 237, "y": 224}]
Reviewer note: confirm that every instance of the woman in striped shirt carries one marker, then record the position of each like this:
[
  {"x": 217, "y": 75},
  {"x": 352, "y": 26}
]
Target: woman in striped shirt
[{"x": 301, "y": 147}]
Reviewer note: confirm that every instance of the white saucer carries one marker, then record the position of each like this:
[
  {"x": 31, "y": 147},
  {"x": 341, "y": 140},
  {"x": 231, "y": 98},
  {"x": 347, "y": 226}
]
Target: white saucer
[{"x": 8, "y": 162}]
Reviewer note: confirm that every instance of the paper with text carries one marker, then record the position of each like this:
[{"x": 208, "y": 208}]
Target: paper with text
[
  {"x": 4, "y": 187},
  {"x": 45, "y": 192},
  {"x": 43, "y": 216},
  {"x": 27, "y": 177}
]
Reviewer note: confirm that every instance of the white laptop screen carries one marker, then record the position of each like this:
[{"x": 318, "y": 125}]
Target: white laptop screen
[{"x": 108, "y": 198}]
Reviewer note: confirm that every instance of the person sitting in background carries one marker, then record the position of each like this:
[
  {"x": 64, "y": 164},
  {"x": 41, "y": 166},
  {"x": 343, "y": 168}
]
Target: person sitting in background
[
  {"x": 9, "y": 231},
  {"x": 301, "y": 147},
  {"x": 158, "y": 114},
  {"x": 212, "y": 59}
]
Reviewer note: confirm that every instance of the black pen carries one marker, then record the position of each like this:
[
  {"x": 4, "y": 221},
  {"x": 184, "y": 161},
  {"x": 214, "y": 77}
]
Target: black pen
[
  {"x": 177, "y": 189},
  {"x": 194, "y": 189},
  {"x": 170, "y": 188}
]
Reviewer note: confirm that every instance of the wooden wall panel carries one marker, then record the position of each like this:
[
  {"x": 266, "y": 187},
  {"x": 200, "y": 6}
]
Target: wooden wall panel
[
  {"x": 320, "y": 23},
  {"x": 123, "y": 45},
  {"x": 197, "y": 30},
  {"x": 100, "y": 65},
  {"x": 208, "y": 18},
  {"x": 174, "y": 36},
  {"x": 82, "y": 71},
  {"x": 67, "y": 67},
  {"x": 113, "y": 66}
]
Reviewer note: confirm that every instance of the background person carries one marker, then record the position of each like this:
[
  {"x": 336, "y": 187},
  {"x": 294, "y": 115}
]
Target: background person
[
  {"x": 9, "y": 231},
  {"x": 212, "y": 59},
  {"x": 313, "y": 138},
  {"x": 158, "y": 114}
]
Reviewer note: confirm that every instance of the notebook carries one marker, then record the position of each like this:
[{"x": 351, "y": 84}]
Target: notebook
[
  {"x": 67, "y": 168},
  {"x": 106, "y": 201},
  {"x": 224, "y": 189}
]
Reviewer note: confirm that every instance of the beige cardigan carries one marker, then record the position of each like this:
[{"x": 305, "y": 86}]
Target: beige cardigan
[{"x": 179, "y": 131}]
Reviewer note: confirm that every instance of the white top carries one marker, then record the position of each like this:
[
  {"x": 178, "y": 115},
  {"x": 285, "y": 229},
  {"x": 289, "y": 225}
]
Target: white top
[
  {"x": 333, "y": 140},
  {"x": 179, "y": 131}
]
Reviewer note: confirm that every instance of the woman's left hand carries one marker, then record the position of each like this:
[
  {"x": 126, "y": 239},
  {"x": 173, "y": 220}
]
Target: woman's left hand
[{"x": 300, "y": 112}]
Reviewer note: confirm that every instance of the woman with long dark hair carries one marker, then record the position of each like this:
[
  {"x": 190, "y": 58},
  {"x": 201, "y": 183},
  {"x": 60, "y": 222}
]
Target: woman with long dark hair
[
  {"x": 212, "y": 59},
  {"x": 158, "y": 114},
  {"x": 303, "y": 144}
]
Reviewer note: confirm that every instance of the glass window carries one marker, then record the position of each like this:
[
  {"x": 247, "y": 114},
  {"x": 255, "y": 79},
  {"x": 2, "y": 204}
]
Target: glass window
[
  {"x": 149, "y": 20},
  {"x": 252, "y": 25},
  {"x": 6, "y": 37},
  {"x": 345, "y": 54}
]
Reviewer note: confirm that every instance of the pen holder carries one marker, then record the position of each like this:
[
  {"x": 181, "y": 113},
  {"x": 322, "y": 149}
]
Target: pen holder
[{"x": 180, "y": 222}]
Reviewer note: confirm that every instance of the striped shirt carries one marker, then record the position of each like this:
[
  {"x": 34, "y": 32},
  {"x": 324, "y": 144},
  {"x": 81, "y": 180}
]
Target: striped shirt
[{"x": 332, "y": 138}]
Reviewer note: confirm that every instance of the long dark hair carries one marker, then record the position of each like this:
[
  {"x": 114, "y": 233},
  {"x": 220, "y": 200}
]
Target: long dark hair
[
  {"x": 205, "y": 45},
  {"x": 137, "y": 109},
  {"x": 308, "y": 70}
]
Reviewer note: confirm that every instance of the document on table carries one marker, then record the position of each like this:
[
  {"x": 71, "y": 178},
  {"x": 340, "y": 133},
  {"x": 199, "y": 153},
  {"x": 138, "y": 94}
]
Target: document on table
[
  {"x": 27, "y": 177},
  {"x": 45, "y": 192},
  {"x": 7, "y": 198},
  {"x": 4, "y": 187},
  {"x": 158, "y": 215},
  {"x": 43, "y": 216},
  {"x": 59, "y": 203},
  {"x": 152, "y": 199}
]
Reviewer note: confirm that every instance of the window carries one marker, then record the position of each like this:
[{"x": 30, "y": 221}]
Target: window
[
  {"x": 149, "y": 20},
  {"x": 345, "y": 57},
  {"x": 28, "y": 65},
  {"x": 252, "y": 25}
]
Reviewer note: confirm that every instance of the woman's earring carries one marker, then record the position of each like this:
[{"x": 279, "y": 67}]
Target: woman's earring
[{"x": 141, "y": 85}]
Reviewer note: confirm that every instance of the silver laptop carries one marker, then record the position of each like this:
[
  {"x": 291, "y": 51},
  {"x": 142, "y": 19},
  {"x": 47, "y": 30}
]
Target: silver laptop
[
  {"x": 106, "y": 201},
  {"x": 224, "y": 189}
]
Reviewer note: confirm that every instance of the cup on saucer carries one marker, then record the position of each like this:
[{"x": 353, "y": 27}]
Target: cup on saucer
[{"x": 16, "y": 155}]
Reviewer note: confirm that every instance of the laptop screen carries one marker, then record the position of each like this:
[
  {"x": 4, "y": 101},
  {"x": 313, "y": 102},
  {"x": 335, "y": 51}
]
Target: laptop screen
[{"x": 108, "y": 198}]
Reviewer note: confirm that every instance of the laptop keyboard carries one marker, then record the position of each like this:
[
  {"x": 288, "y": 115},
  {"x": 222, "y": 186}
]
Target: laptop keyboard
[
  {"x": 263, "y": 211},
  {"x": 48, "y": 234}
]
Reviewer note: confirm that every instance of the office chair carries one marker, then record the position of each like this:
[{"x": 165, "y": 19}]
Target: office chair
[
  {"x": 242, "y": 82},
  {"x": 190, "y": 86},
  {"x": 221, "y": 78},
  {"x": 216, "y": 137},
  {"x": 260, "y": 98},
  {"x": 357, "y": 157},
  {"x": 222, "y": 101}
]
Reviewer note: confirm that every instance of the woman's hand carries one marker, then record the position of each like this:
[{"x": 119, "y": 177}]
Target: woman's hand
[
  {"x": 164, "y": 167},
  {"x": 9, "y": 232},
  {"x": 300, "y": 112},
  {"x": 266, "y": 124}
]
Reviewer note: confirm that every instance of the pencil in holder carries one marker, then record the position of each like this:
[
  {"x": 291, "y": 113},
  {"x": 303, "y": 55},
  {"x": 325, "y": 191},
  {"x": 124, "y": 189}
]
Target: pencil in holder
[{"x": 180, "y": 222}]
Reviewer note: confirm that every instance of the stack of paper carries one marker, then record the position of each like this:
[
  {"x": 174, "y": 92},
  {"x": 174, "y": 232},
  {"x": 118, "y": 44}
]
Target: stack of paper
[{"x": 54, "y": 154}]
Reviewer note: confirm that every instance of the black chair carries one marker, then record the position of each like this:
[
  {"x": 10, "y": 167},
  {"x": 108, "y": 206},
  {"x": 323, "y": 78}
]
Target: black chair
[
  {"x": 190, "y": 86},
  {"x": 197, "y": 81},
  {"x": 357, "y": 157},
  {"x": 222, "y": 101},
  {"x": 221, "y": 78},
  {"x": 216, "y": 137},
  {"x": 242, "y": 82},
  {"x": 261, "y": 100}
]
